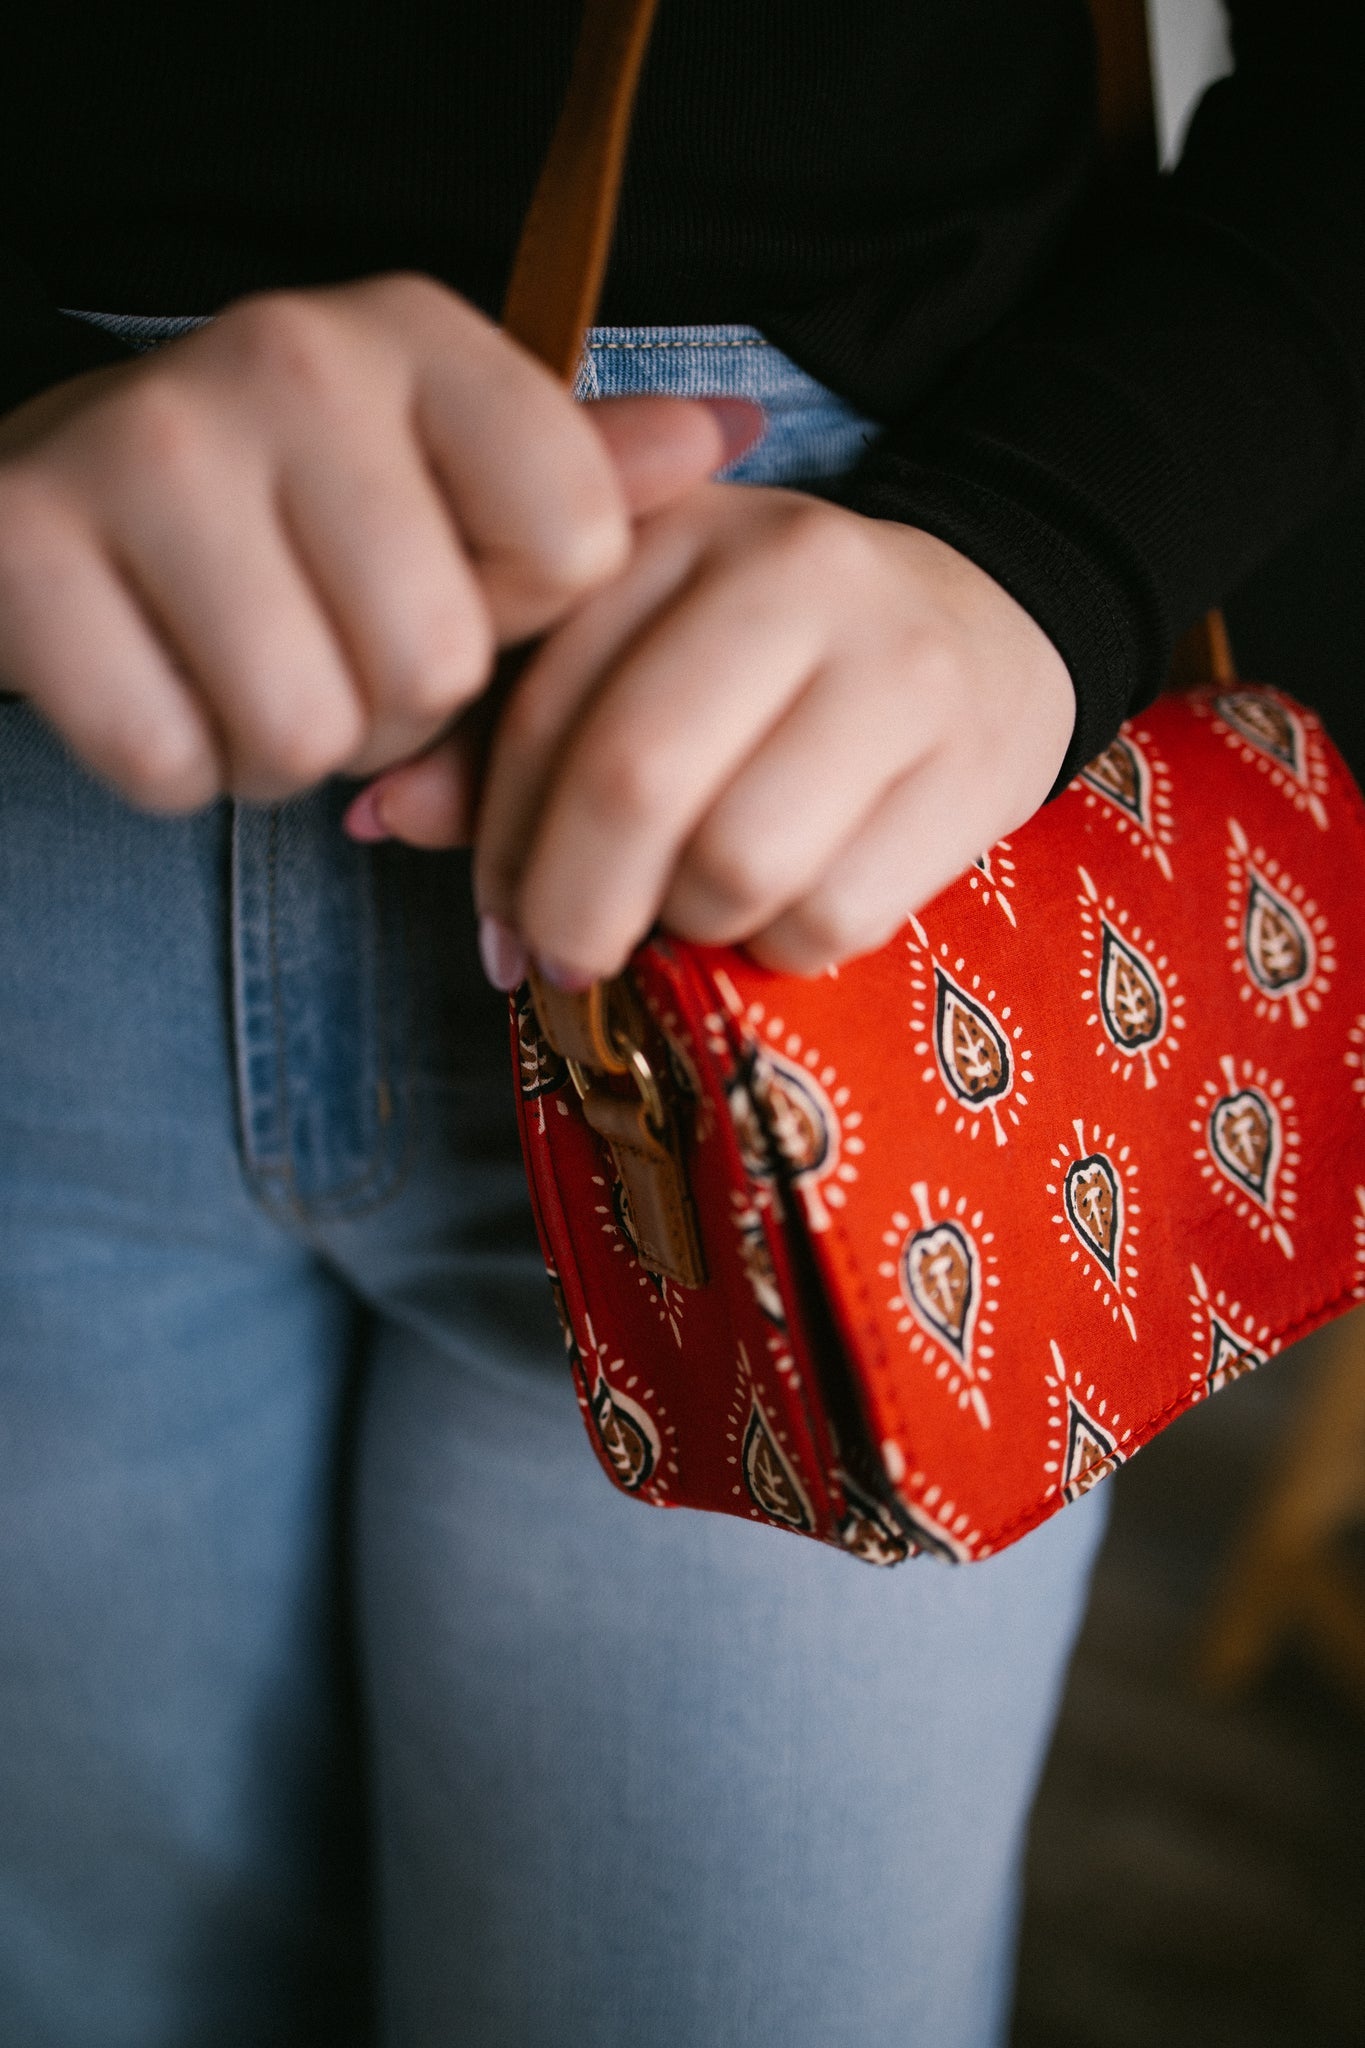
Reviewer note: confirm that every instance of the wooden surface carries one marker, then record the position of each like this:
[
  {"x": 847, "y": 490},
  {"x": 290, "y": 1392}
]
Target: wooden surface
[{"x": 1197, "y": 1868}]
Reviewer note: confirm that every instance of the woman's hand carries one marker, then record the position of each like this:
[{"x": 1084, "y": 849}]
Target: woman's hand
[
  {"x": 291, "y": 542},
  {"x": 783, "y": 723}
]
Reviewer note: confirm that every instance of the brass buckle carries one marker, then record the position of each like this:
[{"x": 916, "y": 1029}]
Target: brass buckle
[
  {"x": 642, "y": 1128},
  {"x": 636, "y": 1062}
]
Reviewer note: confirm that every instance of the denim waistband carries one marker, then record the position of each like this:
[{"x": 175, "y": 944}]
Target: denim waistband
[{"x": 812, "y": 432}]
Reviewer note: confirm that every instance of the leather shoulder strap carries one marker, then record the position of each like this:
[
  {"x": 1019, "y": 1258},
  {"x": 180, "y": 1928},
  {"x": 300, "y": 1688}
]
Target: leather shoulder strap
[
  {"x": 1127, "y": 112},
  {"x": 561, "y": 258}
]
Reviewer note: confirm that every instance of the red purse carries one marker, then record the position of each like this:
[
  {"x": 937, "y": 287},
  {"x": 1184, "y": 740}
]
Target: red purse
[{"x": 908, "y": 1257}]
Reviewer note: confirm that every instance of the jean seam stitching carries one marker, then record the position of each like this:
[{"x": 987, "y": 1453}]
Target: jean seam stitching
[
  {"x": 639, "y": 347},
  {"x": 285, "y": 1172},
  {"x": 262, "y": 1175},
  {"x": 383, "y": 1174}
]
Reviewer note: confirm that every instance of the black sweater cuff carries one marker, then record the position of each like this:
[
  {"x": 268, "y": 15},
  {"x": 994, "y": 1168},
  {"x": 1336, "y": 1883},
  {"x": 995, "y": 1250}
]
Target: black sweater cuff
[{"x": 1054, "y": 578}]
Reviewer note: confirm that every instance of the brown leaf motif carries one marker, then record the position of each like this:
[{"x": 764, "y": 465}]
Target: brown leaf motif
[
  {"x": 1279, "y": 951},
  {"x": 801, "y": 1124},
  {"x": 1227, "y": 1340},
  {"x": 1250, "y": 1146},
  {"x": 1098, "y": 1214},
  {"x": 1131, "y": 984},
  {"x": 938, "y": 1268},
  {"x": 1276, "y": 736},
  {"x": 1130, "y": 998},
  {"x": 1094, "y": 1206},
  {"x": 945, "y": 1293},
  {"x": 792, "y": 1117},
  {"x": 1229, "y": 1356},
  {"x": 1135, "y": 784},
  {"x": 868, "y": 1529},
  {"x": 627, "y": 1434},
  {"x": 973, "y": 1052},
  {"x": 1242, "y": 1136},
  {"x": 772, "y": 1483},
  {"x": 1089, "y": 1452},
  {"x": 775, "y": 1105},
  {"x": 1087, "y": 1438},
  {"x": 1276, "y": 934},
  {"x": 1117, "y": 774},
  {"x": 1266, "y": 724},
  {"x": 979, "y": 1062}
]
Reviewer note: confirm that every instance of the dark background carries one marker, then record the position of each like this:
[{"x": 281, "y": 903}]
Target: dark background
[
  {"x": 1196, "y": 1876},
  {"x": 1300, "y": 622}
]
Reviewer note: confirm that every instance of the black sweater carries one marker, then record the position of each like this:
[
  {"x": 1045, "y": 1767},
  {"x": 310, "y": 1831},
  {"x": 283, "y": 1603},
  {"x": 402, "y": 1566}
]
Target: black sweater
[{"x": 1117, "y": 416}]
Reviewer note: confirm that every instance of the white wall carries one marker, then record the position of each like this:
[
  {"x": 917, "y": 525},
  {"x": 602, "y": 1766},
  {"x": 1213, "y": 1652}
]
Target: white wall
[{"x": 1190, "y": 50}]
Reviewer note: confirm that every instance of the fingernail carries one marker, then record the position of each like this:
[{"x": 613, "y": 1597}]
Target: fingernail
[
  {"x": 364, "y": 819},
  {"x": 502, "y": 954},
  {"x": 567, "y": 979},
  {"x": 741, "y": 423}
]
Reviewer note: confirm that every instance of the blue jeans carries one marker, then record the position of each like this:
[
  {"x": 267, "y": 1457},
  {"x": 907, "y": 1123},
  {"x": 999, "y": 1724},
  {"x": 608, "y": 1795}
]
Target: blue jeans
[{"x": 333, "y": 1675}]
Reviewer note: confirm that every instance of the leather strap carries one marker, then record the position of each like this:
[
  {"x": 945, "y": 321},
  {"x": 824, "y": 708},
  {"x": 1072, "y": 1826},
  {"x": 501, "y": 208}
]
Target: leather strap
[
  {"x": 556, "y": 280},
  {"x": 576, "y": 1025},
  {"x": 556, "y": 277},
  {"x": 561, "y": 258},
  {"x": 1203, "y": 655},
  {"x": 628, "y": 1099},
  {"x": 1127, "y": 114}
]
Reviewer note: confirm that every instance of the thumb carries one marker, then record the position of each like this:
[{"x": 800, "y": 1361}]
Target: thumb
[
  {"x": 663, "y": 447},
  {"x": 427, "y": 801}
]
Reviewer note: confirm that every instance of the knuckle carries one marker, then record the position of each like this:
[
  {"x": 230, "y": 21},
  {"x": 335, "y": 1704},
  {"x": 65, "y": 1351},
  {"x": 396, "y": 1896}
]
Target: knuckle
[
  {"x": 286, "y": 337},
  {"x": 447, "y": 670},
  {"x": 626, "y": 780},
  {"x": 588, "y": 544},
  {"x": 164, "y": 765},
  {"x": 430, "y": 689},
  {"x": 734, "y": 874},
  {"x": 157, "y": 424},
  {"x": 815, "y": 535},
  {"x": 829, "y": 927},
  {"x": 305, "y": 741}
]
